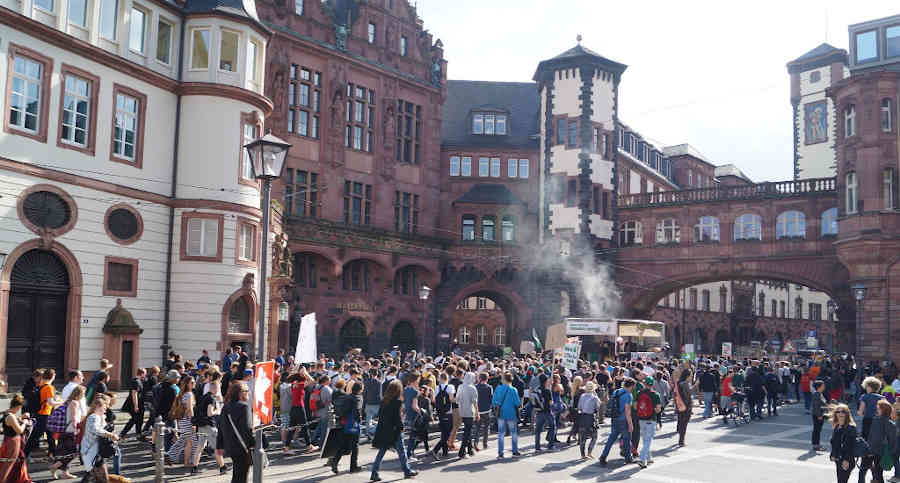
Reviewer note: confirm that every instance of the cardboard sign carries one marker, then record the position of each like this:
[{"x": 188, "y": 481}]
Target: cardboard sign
[
  {"x": 726, "y": 349},
  {"x": 306, "y": 340},
  {"x": 263, "y": 383},
  {"x": 571, "y": 351}
]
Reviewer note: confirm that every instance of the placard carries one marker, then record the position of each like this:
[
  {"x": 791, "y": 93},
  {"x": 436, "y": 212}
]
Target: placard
[
  {"x": 726, "y": 349},
  {"x": 590, "y": 327},
  {"x": 263, "y": 381},
  {"x": 571, "y": 351}
]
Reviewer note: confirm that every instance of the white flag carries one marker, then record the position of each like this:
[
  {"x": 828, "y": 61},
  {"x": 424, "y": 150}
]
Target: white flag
[{"x": 306, "y": 340}]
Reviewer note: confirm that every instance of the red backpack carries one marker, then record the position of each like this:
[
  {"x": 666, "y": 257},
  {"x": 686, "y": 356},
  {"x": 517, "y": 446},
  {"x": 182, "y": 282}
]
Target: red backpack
[
  {"x": 314, "y": 400},
  {"x": 645, "y": 408}
]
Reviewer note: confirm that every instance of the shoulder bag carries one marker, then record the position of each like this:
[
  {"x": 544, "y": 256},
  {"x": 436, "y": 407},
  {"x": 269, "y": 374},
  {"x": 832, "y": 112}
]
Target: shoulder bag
[
  {"x": 680, "y": 406},
  {"x": 497, "y": 409}
]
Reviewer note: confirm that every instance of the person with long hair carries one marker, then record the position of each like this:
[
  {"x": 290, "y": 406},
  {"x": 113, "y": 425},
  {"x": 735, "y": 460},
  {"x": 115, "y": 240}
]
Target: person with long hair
[
  {"x": 67, "y": 446},
  {"x": 348, "y": 408},
  {"x": 236, "y": 432},
  {"x": 90, "y": 441},
  {"x": 389, "y": 432},
  {"x": 843, "y": 437},
  {"x": 882, "y": 438},
  {"x": 187, "y": 442},
  {"x": 12, "y": 465},
  {"x": 684, "y": 404},
  {"x": 208, "y": 410},
  {"x": 574, "y": 395}
]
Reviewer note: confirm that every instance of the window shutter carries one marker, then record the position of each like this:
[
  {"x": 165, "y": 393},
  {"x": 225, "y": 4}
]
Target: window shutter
[
  {"x": 194, "y": 236},
  {"x": 210, "y": 237}
]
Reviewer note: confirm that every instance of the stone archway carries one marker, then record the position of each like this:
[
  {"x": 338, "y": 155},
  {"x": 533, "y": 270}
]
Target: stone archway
[
  {"x": 354, "y": 335},
  {"x": 71, "y": 306},
  {"x": 403, "y": 335},
  {"x": 240, "y": 315}
]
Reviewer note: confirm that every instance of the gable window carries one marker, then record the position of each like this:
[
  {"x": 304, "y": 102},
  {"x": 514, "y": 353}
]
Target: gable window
[
  {"x": 246, "y": 243},
  {"x": 201, "y": 236},
  {"x": 29, "y": 83},
  {"x": 79, "y": 104},
  {"x": 409, "y": 131},
  {"x": 790, "y": 224},
  {"x": 200, "y": 49},
  {"x": 707, "y": 229},
  {"x": 228, "y": 51},
  {"x": 305, "y": 270},
  {"x": 371, "y": 33},
  {"x": 829, "y": 222},
  {"x": 489, "y": 124},
  {"x": 561, "y": 131},
  {"x": 406, "y": 212},
  {"x": 298, "y": 7},
  {"x": 466, "y": 169},
  {"x": 109, "y": 18},
  {"x": 468, "y": 228},
  {"x": 886, "y": 115},
  {"x": 356, "y": 276},
  {"x": 668, "y": 231},
  {"x": 357, "y": 203},
  {"x": 454, "y": 165},
  {"x": 129, "y": 125},
  {"x": 630, "y": 233},
  {"x": 403, "y": 42},
  {"x": 508, "y": 229},
  {"x": 78, "y": 12},
  {"x": 163, "y": 42},
  {"x": 866, "y": 46},
  {"x": 888, "y": 187},
  {"x": 137, "y": 31},
  {"x": 850, "y": 192},
  {"x": 304, "y": 93},
  {"x": 850, "y": 121},
  {"x": 301, "y": 193},
  {"x": 487, "y": 228},
  {"x": 495, "y": 167},
  {"x": 483, "y": 167}
]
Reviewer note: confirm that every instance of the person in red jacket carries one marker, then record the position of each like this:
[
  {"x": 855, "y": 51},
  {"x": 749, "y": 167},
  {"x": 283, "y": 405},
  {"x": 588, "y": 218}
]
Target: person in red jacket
[
  {"x": 299, "y": 382},
  {"x": 805, "y": 389}
]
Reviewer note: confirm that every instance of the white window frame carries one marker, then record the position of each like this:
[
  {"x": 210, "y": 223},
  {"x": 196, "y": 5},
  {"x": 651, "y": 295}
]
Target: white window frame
[
  {"x": 888, "y": 188},
  {"x": 495, "y": 167},
  {"x": 851, "y": 191},
  {"x": 829, "y": 222},
  {"x": 137, "y": 127},
  {"x": 790, "y": 224},
  {"x": 484, "y": 167},
  {"x": 850, "y": 121},
  {"x": 633, "y": 227},
  {"x": 246, "y": 242},
  {"x": 27, "y": 80},
  {"x": 253, "y": 64},
  {"x": 237, "y": 50},
  {"x": 104, "y": 14},
  {"x": 744, "y": 220},
  {"x": 404, "y": 45},
  {"x": 500, "y": 120},
  {"x": 500, "y": 336},
  {"x": 523, "y": 169},
  {"x": 707, "y": 229},
  {"x": 193, "y": 33},
  {"x": 668, "y": 231},
  {"x": 249, "y": 133},
  {"x": 76, "y": 97},
  {"x": 85, "y": 11},
  {"x": 478, "y": 123},
  {"x": 463, "y": 333},
  {"x": 454, "y": 166},
  {"x": 162, "y": 20},
  {"x": 512, "y": 168},
  {"x": 886, "y": 115},
  {"x": 481, "y": 335},
  {"x": 465, "y": 168},
  {"x": 145, "y": 16},
  {"x": 298, "y": 7},
  {"x": 205, "y": 225},
  {"x": 41, "y": 7}
]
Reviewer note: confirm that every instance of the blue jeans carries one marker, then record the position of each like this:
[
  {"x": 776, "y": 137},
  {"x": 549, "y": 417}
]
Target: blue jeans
[
  {"x": 369, "y": 422},
  {"x": 648, "y": 430},
  {"x": 411, "y": 439},
  {"x": 707, "y": 404},
  {"x": 318, "y": 438},
  {"x": 807, "y": 400},
  {"x": 117, "y": 462},
  {"x": 540, "y": 420},
  {"x": 401, "y": 451},
  {"x": 502, "y": 426},
  {"x": 619, "y": 428}
]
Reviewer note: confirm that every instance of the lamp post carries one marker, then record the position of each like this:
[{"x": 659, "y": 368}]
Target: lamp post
[
  {"x": 267, "y": 156},
  {"x": 832, "y": 308},
  {"x": 424, "y": 293},
  {"x": 859, "y": 293}
]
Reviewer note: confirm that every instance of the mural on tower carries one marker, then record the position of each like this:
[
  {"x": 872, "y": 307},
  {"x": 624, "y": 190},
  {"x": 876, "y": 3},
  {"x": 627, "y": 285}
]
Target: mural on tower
[{"x": 815, "y": 120}]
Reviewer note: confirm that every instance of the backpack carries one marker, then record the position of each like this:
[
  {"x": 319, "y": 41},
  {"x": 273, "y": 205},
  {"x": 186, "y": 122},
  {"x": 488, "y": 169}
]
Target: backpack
[
  {"x": 861, "y": 448},
  {"x": 315, "y": 400},
  {"x": 645, "y": 409},
  {"x": 56, "y": 423},
  {"x": 442, "y": 401},
  {"x": 771, "y": 382},
  {"x": 612, "y": 409}
]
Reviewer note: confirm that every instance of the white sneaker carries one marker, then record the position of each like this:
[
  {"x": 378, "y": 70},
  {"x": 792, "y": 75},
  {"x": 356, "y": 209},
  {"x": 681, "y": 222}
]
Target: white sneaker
[{"x": 894, "y": 479}]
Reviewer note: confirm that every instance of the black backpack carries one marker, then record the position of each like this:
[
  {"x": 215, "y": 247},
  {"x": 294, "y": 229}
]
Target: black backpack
[
  {"x": 442, "y": 402},
  {"x": 612, "y": 408}
]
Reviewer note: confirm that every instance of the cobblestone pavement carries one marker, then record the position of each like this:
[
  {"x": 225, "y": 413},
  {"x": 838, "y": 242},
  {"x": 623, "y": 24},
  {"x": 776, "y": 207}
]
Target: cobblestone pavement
[{"x": 776, "y": 449}]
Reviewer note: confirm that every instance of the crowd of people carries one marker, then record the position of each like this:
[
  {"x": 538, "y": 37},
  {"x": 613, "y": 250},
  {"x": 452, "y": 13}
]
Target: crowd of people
[{"x": 395, "y": 401}]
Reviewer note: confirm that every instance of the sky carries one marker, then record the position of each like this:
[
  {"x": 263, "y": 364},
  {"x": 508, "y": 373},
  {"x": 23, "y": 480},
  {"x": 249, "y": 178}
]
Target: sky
[{"x": 709, "y": 73}]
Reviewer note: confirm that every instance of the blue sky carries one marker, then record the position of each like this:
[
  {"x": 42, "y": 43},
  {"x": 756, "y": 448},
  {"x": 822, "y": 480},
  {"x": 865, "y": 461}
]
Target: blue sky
[{"x": 708, "y": 73}]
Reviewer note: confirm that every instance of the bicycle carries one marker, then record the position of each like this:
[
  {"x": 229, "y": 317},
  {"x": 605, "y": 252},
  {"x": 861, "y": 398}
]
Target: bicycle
[{"x": 739, "y": 412}]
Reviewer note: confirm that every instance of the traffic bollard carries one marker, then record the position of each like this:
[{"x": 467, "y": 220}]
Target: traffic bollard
[{"x": 159, "y": 445}]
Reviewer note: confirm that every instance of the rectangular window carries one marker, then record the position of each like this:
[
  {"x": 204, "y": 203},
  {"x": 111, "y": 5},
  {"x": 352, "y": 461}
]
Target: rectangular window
[
  {"x": 561, "y": 131},
  {"x": 572, "y": 193},
  {"x": 478, "y": 124},
  {"x": 371, "y": 33},
  {"x": 120, "y": 277},
  {"x": 403, "y": 45},
  {"x": 163, "y": 42},
  {"x": 125, "y": 132},
  {"x": 76, "y": 113},
  {"x": 138, "y": 30},
  {"x": 692, "y": 294},
  {"x": 523, "y": 168},
  {"x": 202, "y": 237},
  {"x": 604, "y": 203},
  {"x": 253, "y": 61},
  {"x": 360, "y": 131},
  {"x": 466, "y": 166},
  {"x": 500, "y": 125},
  {"x": 706, "y": 300},
  {"x": 298, "y": 7},
  {"x": 228, "y": 51},
  {"x": 200, "y": 49},
  {"x": 512, "y": 168},
  {"x": 78, "y": 12},
  {"x": 249, "y": 133},
  {"x": 573, "y": 133},
  {"x": 596, "y": 199},
  {"x": 892, "y": 41},
  {"x": 26, "y": 94},
  {"x": 495, "y": 167},
  {"x": 409, "y": 131},
  {"x": 489, "y": 124},
  {"x": 483, "y": 167},
  {"x": 888, "y": 184},
  {"x": 109, "y": 18},
  {"x": 781, "y": 309},
  {"x": 454, "y": 165},
  {"x": 303, "y": 117},
  {"x": 44, "y": 5},
  {"x": 357, "y": 203},
  {"x": 301, "y": 193},
  {"x": 468, "y": 228},
  {"x": 866, "y": 46},
  {"x": 406, "y": 212},
  {"x": 595, "y": 140},
  {"x": 247, "y": 242}
]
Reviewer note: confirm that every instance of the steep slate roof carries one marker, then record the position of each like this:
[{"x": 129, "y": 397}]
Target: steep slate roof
[
  {"x": 824, "y": 48},
  {"x": 820, "y": 56},
  {"x": 519, "y": 100},
  {"x": 488, "y": 193},
  {"x": 576, "y": 56}
]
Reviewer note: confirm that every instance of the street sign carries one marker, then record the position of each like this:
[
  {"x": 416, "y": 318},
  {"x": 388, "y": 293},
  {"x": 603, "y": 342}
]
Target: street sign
[{"x": 263, "y": 382}]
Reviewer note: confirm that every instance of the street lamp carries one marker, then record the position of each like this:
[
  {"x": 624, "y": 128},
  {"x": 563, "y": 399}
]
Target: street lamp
[
  {"x": 832, "y": 308},
  {"x": 267, "y": 156},
  {"x": 859, "y": 293},
  {"x": 424, "y": 293}
]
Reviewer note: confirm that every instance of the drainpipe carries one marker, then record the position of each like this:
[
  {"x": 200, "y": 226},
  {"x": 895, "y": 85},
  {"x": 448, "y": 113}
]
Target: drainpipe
[{"x": 168, "y": 294}]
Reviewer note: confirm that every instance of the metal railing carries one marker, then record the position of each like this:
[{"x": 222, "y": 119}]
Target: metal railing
[{"x": 759, "y": 191}]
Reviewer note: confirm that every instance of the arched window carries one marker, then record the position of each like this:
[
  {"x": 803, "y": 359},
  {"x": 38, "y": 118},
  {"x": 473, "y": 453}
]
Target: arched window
[
  {"x": 851, "y": 192},
  {"x": 748, "y": 227},
  {"x": 468, "y": 227},
  {"x": 829, "y": 222},
  {"x": 630, "y": 233},
  {"x": 762, "y": 304},
  {"x": 886, "y": 120},
  {"x": 405, "y": 283},
  {"x": 500, "y": 336},
  {"x": 508, "y": 229},
  {"x": 707, "y": 229},
  {"x": 481, "y": 335},
  {"x": 668, "y": 231},
  {"x": 850, "y": 121},
  {"x": 239, "y": 317},
  {"x": 790, "y": 224},
  {"x": 487, "y": 229},
  {"x": 356, "y": 276},
  {"x": 464, "y": 335}
]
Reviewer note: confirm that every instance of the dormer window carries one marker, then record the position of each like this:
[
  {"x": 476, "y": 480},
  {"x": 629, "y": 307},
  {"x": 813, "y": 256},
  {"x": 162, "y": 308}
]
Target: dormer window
[
  {"x": 866, "y": 46},
  {"x": 491, "y": 124}
]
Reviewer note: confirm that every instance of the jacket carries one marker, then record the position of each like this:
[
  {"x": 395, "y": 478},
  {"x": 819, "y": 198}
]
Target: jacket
[
  {"x": 390, "y": 425},
  {"x": 467, "y": 397},
  {"x": 372, "y": 391},
  {"x": 843, "y": 442},
  {"x": 239, "y": 413},
  {"x": 883, "y": 433},
  {"x": 818, "y": 404},
  {"x": 485, "y": 395}
]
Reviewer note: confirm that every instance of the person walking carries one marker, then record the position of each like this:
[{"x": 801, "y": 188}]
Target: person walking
[
  {"x": 348, "y": 408},
  {"x": 372, "y": 400},
  {"x": 485, "y": 400},
  {"x": 868, "y": 403},
  {"x": 684, "y": 403},
  {"x": 587, "y": 408},
  {"x": 411, "y": 410},
  {"x": 443, "y": 405},
  {"x": 236, "y": 432},
  {"x": 577, "y": 390},
  {"x": 12, "y": 456},
  {"x": 182, "y": 413},
  {"x": 506, "y": 398},
  {"x": 67, "y": 446},
  {"x": 649, "y": 406},
  {"x": 467, "y": 399},
  {"x": 319, "y": 402},
  {"x": 543, "y": 403},
  {"x": 818, "y": 413},
  {"x": 843, "y": 438},
  {"x": 389, "y": 432},
  {"x": 622, "y": 425},
  {"x": 207, "y": 419},
  {"x": 882, "y": 441},
  {"x": 94, "y": 430},
  {"x": 47, "y": 404},
  {"x": 708, "y": 388},
  {"x": 134, "y": 404}
]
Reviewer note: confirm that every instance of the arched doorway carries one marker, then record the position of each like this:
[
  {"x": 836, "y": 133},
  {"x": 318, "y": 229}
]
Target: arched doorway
[
  {"x": 38, "y": 312},
  {"x": 354, "y": 336},
  {"x": 404, "y": 336}
]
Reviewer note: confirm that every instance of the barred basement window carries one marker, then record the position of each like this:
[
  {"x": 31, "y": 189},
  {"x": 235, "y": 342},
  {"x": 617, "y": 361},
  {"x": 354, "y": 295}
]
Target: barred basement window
[
  {"x": 409, "y": 128},
  {"x": 357, "y": 203},
  {"x": 123, "y": 224},
  {"x": 45, "y": 209},
  {"x": 301, "y": 193},
  {"x": 359, "y": 133},
  {"x": 304, "y": 94},
  {"x": 406, "y": 212}
]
